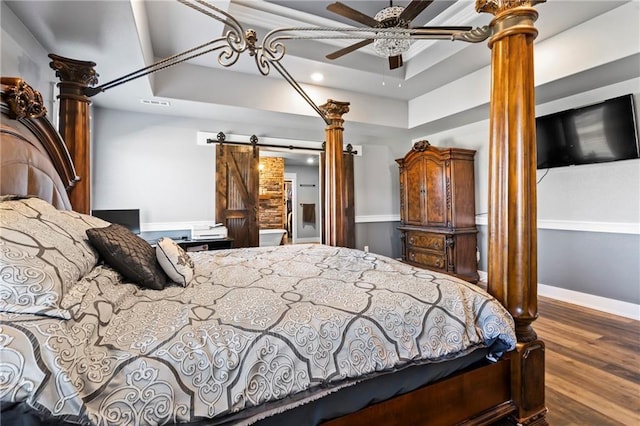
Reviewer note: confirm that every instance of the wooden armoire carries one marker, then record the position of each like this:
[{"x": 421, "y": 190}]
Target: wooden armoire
[{"x": 437, "y": 210}]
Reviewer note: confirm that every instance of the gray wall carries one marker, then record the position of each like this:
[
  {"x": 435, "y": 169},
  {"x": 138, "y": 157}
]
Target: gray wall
[
  {"x": 152, "y": 162},
  {"x": 598, "y": 263},
  {"x": 381, "y": 238},
  {"x": 22, "y": 56},
  {"x": 602, "y": 264},
  {"x": 377, "y": 188}
]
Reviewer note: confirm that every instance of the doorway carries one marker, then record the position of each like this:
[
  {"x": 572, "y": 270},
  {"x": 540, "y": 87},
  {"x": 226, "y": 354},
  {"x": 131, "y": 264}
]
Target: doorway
[
  {"x": 291, "y": 200},
  {"x": 300, "y": 187}
]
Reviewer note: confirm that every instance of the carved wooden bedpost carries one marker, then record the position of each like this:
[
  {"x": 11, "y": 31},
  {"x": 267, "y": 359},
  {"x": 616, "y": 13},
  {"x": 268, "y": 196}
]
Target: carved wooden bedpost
[
  {"x": 334, "y": 217},
  {"x": 512, "y": 268},
  {"x": 74, "y": 115}
]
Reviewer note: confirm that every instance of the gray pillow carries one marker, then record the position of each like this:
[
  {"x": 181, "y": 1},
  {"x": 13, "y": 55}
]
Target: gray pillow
[
  {"x": 44, "y": 252},
  {"x": 128, "y": 254}
]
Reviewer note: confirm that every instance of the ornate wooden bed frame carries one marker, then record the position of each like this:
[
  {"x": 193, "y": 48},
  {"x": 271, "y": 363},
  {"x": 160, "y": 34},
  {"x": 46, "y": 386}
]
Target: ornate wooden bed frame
[{"x": 512, "y": 388}]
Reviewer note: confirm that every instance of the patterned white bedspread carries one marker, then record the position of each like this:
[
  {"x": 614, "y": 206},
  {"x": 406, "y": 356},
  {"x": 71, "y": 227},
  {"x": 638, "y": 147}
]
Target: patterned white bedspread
[{"x": 254, "y": 326}]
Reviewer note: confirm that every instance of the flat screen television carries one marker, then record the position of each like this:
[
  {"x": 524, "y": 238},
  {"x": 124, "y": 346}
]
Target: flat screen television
[
  {"x": 129, "y": 218},
  {"x": 592, "y": 134}
]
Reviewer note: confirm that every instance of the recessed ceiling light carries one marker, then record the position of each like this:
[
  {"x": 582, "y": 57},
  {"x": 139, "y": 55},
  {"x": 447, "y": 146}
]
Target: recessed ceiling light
[
  {"x": 317, "y": 77},
  {"x": 310, "y": 160}
]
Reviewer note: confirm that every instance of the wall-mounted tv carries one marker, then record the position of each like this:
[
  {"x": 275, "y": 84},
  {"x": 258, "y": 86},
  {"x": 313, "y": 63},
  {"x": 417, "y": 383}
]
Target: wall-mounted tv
[
  {"x": 129, "y": 218},
  {"x": 592, "y": 134}
]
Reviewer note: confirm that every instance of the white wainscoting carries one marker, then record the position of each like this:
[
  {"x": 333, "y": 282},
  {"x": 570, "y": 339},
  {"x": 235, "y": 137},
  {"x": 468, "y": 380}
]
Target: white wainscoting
[
  {"x": 172, "y": 226},
  {"x": 561, "y": 225},
  {"x": 581, "y": 226},
  {"x": 378, "y": 218}
]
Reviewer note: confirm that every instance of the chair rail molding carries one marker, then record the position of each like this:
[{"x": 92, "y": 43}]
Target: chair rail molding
[{"x": 581, "y": 226}]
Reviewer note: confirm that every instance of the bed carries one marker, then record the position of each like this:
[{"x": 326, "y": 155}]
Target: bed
[
  {"x": 256, "y": 331},
  {"x": 244, "y": 334},
  {"x": 309, "y": 334}
]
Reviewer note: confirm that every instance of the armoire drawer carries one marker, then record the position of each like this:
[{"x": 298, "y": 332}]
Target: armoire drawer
[
  {"x": 426, "y": 259},
  {"x": 426, "y": 240}
]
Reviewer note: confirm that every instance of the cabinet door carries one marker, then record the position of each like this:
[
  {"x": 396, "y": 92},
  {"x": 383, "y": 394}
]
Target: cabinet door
[
  {"x": 436, "y": 194},
  {"x": 414, "y": 188}
]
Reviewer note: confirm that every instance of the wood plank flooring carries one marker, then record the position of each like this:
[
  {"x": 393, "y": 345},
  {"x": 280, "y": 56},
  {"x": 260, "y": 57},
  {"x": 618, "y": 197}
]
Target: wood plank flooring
[{"x": 592, "y": 365}]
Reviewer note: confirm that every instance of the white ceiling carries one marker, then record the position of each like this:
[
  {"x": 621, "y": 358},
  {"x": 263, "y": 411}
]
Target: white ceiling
[{"x": 122, "y": 36}]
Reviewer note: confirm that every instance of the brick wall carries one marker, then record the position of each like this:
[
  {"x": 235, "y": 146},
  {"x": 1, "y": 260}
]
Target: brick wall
[{"x": 272, "y": 201}]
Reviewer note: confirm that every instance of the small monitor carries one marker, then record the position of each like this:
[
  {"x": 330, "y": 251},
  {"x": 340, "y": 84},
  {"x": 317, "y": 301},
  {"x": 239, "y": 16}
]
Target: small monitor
[{"x": 129, "y": 218}]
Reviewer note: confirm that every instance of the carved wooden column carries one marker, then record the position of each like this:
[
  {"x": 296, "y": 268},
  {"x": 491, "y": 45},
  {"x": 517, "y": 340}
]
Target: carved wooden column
[
  {"x": 512, "y": 268},
  {"x": 75, "y": 76},
  {"x": 334, "y": 217}
]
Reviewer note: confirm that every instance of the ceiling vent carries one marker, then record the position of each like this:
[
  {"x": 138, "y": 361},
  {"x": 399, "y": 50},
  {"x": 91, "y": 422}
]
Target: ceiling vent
[{"x": 155, "y": 102}]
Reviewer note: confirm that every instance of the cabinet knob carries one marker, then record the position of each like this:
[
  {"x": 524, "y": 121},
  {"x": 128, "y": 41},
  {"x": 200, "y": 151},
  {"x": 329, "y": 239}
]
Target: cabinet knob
[
  {"x": 410, "y": 240},
  {"x": 412, "y": 256}
]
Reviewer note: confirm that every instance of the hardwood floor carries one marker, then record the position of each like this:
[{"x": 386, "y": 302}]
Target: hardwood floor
[{"x": 592, "y": 365}]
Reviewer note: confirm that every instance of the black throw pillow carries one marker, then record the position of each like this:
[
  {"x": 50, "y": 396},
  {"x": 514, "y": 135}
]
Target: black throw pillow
[{"x": 128, "y": 254}]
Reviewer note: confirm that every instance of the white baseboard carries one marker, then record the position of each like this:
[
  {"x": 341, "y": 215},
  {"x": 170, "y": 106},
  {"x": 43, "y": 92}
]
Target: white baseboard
[
  {"x": 599, "y": 303},
  {"x": 316, "y": 240}
]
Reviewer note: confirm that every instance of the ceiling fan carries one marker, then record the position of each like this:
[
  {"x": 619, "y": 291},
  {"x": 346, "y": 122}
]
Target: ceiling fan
[{"x": 389, "y": 17}]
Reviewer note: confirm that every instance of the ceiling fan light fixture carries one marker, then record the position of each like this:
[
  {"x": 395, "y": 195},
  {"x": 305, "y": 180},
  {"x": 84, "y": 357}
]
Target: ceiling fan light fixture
[
  {"x": 391, "y": 12},
  {"x": 388, "y": 47},
  {"x": 391, "y": 47}
]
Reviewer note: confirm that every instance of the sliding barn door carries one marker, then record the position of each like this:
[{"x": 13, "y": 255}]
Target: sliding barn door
[
  {"x": 237, "y": 186},
  {"x": 348, "y": 198}
]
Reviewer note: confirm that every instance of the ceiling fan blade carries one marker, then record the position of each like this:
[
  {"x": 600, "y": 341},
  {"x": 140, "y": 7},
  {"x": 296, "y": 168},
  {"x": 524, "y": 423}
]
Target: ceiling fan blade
[
  {"x": 395, "y": 62},
  {"x": 348, "y": 12},
  {"x": 349, "y": 49},
  {"x": 413, "y": 9}
]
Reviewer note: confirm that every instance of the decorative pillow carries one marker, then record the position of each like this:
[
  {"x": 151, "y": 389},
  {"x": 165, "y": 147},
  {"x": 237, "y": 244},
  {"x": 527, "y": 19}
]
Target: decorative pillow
[
  {"x": 128, "y": 254},
  {"x": 175, "y": 262},
  {"x": 43, "y": 254}
]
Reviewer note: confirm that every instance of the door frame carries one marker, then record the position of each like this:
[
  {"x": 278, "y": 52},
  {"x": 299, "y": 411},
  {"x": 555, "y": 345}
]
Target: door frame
[{"x": 293, "y": 178}]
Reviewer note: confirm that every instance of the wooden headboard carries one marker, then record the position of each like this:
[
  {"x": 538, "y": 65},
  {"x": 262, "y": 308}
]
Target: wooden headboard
[{"x": 34, "y": 159}]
